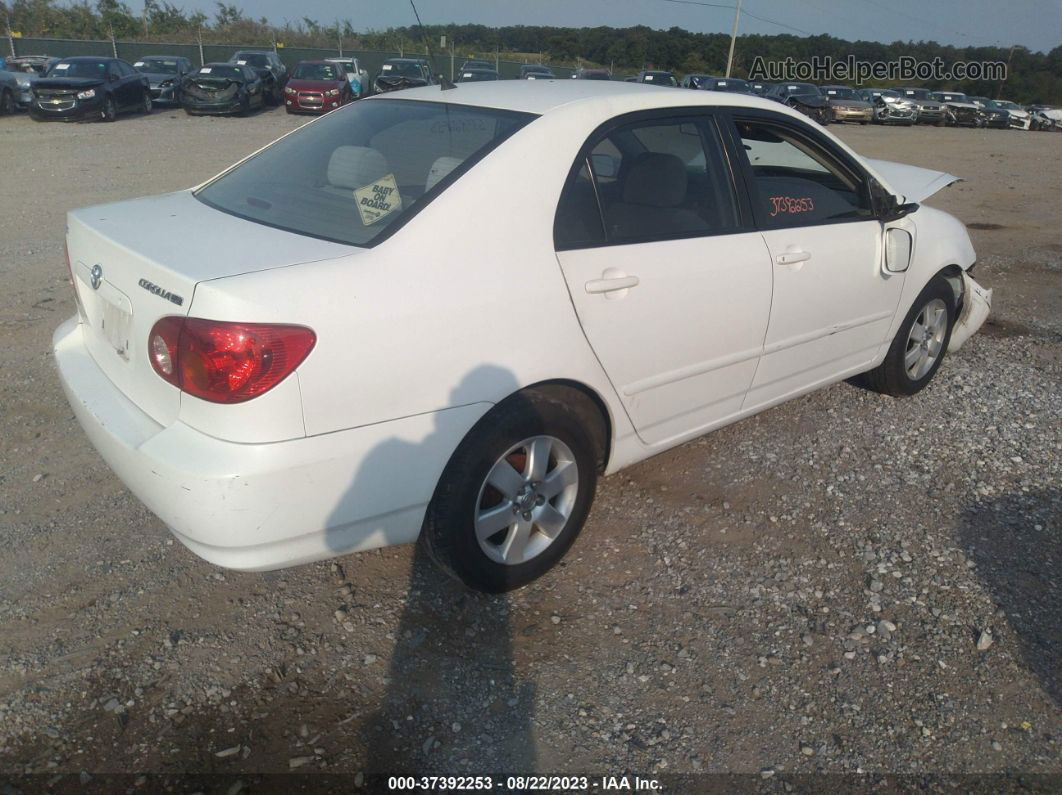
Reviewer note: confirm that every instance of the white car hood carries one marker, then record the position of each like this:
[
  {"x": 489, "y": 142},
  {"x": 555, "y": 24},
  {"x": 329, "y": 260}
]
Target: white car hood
[{"x": 913, "y": 183}]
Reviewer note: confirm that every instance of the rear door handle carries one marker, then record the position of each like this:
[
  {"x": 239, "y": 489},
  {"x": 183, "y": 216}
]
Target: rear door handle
[
  {"x": 792, "y": 257},
  {"x": 610, "y": 283}
]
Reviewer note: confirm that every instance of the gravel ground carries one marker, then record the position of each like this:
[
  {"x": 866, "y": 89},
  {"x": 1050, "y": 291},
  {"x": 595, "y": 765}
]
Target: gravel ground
[{"x": 845, "y": 583}]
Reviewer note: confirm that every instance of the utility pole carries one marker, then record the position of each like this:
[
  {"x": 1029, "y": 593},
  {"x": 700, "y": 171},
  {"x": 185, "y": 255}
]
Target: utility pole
[
  {"x": 10, "y": 37},
  {"x": 199, "y": 38},
  {"x": 999, "y": 88},
  {"x": 733, "y": 39},
  {"x": 114, "y": 44}
]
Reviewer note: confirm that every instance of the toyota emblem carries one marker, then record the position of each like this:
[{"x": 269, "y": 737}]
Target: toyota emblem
[{"x": 97, "y": 276}]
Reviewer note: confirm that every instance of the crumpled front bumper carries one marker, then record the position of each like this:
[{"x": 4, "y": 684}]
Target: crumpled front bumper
[{"x": 976, "y": 305}]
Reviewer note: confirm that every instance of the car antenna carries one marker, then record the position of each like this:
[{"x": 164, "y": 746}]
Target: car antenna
[{"x": 445, "y": 83}]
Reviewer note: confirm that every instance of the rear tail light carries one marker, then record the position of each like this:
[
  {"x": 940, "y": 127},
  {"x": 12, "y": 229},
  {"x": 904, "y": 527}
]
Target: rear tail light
[{"x": 226, "y": 362}]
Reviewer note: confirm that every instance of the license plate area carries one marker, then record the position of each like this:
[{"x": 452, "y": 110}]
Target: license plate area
[{"x": 115, "y": 318}]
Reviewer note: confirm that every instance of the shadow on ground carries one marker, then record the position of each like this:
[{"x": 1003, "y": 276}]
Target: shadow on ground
[{"x": 1014, "y": 540}]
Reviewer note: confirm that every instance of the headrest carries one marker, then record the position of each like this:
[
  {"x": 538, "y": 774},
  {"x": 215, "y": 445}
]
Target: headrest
[
  {"x": 355, "y": 167},
  {"x": 440, "y": 170},
  {"x": 656, "y": 179}
]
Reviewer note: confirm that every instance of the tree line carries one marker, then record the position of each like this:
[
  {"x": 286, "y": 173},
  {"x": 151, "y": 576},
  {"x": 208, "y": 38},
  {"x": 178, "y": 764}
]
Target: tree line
[{"x": 1033, "y": 76}]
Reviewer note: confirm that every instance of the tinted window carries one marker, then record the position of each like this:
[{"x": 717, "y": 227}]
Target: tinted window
[
  {"x": 316, "y": 71},
  {"x": 796, "y": 182},
  {"x": 651, "y": 180},
  {"x": 96, "y": 69},
  {"x": 356, "y": 172}
]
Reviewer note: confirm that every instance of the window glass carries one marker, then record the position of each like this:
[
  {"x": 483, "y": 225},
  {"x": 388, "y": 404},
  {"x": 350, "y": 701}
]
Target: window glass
[
  {"x": 355, "y": 172},
  {"x": 796, "y": 182},
  {"x": 653, "y": 179}
]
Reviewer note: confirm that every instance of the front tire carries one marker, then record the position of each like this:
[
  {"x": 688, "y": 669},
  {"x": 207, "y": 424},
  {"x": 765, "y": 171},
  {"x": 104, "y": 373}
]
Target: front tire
[
  {"x": 146, "y": 104},
  {"x": 920, "y": 345},
  {"x": 7, "y": 103},
  {"x": 110, "y": 110},
  {"x": 515, "y": 494}
]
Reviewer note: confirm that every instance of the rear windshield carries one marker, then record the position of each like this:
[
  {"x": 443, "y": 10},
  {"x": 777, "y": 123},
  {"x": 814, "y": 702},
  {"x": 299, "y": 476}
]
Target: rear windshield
[
  {"x": 357, "y": 172},
  {"x": 156, "y": 66},
  {"x": 252, "y": 59}
]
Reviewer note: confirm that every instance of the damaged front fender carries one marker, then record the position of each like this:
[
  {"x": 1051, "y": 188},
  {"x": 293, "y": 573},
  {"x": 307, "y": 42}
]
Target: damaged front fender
[{"x": 976, "y": 305}]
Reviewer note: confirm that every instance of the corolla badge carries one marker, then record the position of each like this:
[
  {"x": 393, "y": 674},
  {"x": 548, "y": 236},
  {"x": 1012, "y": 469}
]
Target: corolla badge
[{"x": 96, "y": 275}]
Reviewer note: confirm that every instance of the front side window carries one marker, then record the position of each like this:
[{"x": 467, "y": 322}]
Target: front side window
[
  {"x": 796, "y": 182},
  {"x": 355, "y": 173},
  {"x": 648, "y": 180}
]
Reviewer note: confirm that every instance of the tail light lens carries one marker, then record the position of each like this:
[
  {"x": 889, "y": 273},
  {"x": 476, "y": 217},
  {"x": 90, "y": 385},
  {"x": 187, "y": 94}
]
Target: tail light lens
[{"x": 226, "y": 362}]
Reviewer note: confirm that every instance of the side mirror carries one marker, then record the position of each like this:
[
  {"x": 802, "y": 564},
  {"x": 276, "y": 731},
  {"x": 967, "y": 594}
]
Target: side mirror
[
  {"x": 898, "y": 247},
  {"x": 895, "y": 211}
]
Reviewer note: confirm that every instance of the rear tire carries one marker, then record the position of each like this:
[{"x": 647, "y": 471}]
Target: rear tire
[
  {"x": 516, "y": 493},
  {"x": 920, "y": 344}
]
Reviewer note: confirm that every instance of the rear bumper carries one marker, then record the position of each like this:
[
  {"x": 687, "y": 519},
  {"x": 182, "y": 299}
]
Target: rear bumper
[{"x": 265, "y": 506}]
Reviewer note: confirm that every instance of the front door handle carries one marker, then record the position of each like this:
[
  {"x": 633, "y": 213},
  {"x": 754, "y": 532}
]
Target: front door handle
[
  {"x": 792, "y": 257},
  {"x": 612, "y": 280}
]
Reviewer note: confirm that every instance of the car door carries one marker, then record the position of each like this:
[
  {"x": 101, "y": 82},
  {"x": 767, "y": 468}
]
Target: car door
[
  {"x": 833, "y": 300},
  {"x": 670, "y": 280}
]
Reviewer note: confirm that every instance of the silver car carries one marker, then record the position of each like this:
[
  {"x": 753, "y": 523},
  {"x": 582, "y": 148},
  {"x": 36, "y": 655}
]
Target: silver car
[
  {"x": 930, "y": 111},
  {"x": 27, "y": 69}
]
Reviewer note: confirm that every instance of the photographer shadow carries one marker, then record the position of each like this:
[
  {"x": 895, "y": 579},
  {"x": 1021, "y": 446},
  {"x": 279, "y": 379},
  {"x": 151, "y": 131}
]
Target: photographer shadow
[{"x": 453, "y": 703}]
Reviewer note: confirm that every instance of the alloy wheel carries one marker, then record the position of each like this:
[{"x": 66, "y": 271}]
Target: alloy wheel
[
  {"x": 925, "y": 341},
  {"x": 526, "y": 500}
]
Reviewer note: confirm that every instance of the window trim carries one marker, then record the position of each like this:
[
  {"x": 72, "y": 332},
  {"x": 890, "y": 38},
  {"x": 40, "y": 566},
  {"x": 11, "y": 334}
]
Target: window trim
[
  {"x": 814, "y": 137},
  {"x": 705, "y": 118}
]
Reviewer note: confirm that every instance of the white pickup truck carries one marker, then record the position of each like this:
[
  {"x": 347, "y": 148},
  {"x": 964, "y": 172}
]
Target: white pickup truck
[{"x": 356, "y": 76}]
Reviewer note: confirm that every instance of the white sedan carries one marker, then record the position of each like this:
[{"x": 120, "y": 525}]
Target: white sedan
[{"x": 442, "y": 316}]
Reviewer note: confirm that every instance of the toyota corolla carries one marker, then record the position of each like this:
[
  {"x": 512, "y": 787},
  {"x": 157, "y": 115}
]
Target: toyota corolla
[{"x": 442, "y": 317}]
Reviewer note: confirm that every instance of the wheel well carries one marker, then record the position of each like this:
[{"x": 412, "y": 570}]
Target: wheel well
[
  {"x": 592, "y": 407},
  {"x": 953, "y": 275}
]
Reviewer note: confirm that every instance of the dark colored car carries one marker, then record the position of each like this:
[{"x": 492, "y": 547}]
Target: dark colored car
[
  {"x": 803, "y": 97},
  {"x": 88, "y": 87},
  {"x": 477, "y": 75},
  {"x": 270, "y": 69},
  {"x": 399, "y": 73},
  {"x": 317, "y": 87},
  {"x": 734, "y": 85},
  {"x": 223, "y": 89},
  {"x": 165, "y": 73},
  {"x": 656, "y": 77},
  {"x": 993, "y": 115},
  {"x": 476, "y": 63},
  {"x": 759, "y": 88},
  {"x": 536, "y": 71},
  {"x": 593, "y": 74}
]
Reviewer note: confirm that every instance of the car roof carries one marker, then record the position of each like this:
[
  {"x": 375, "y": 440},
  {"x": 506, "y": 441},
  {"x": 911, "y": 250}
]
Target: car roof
[
  {"x": 606, "y": 97},
  {"x": 88, "y": 58},
  {"x": 254, "y": 52},
  {"x": 157, "y": 57}
]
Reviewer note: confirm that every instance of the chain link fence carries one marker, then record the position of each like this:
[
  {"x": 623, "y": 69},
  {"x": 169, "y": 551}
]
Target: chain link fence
[{"x": 371, "y": 60}]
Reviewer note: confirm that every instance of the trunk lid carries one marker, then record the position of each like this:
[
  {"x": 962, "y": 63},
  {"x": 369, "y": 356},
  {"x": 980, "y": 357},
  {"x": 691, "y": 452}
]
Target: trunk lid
[{"x": 135, "y": 262}]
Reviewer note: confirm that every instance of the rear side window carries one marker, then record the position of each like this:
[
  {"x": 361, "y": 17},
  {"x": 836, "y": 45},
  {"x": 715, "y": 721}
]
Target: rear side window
[
  {"x": 648, "y": 180},
  {"x": 357, "y": 172},
  {"x": 796, "y": 182}
]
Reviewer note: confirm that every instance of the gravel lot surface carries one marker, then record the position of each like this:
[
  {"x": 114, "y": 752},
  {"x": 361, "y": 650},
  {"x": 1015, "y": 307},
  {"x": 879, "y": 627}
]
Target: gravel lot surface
[{"x": 845, "y": 583}]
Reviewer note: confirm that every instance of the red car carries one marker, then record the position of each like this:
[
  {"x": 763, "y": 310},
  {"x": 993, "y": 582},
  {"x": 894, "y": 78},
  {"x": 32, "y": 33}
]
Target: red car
[{"x": 317, "y": 87}]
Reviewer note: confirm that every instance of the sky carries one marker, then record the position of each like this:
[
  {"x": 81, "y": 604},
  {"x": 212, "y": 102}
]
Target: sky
[{"x": 1036, "y": 24}]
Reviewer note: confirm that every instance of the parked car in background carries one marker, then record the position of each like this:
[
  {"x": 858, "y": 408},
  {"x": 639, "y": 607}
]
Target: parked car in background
[
  {"x": 477, "y": 63},
  {"x": 760, "y": 88},
  {"x": 961, "y": 111},
  {"x": 803, "y": 97},
  {"x": 890, "y": 107},
  {"x": 223, "y": 89},
  {"x": 88, "y": 87},
  {"x": 1046, "y": 118},
  {"x": 399, "y": 73},
  {"x": 9, "y": 91},
  {"x": 694, "y": 80},
  {"x": 1017, "y": 116},
  {"x": 593, "y": 74},
  {"x": 357, "y": 76},
  {"x": 317, "y": 87},
  {"x": 846, "y": 105},
  {"x": 270, "y": 69},
  {"x": 27, "y": 70},
  {"x": 536, "y": 71},
  {"x": 259, "y": 374},
  {"x": 477, "y": 75},
  {"x": 991, "y": 115},
  {"x": 656, "y": 77},
  {"x": 734, "y": 85},
  {"x": 930, "y": 111},
  {"x": 165, "y": 73}
]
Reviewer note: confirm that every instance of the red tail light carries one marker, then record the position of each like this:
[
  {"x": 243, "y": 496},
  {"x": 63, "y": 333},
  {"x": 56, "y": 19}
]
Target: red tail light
[{"x": 226, "y": 362}]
